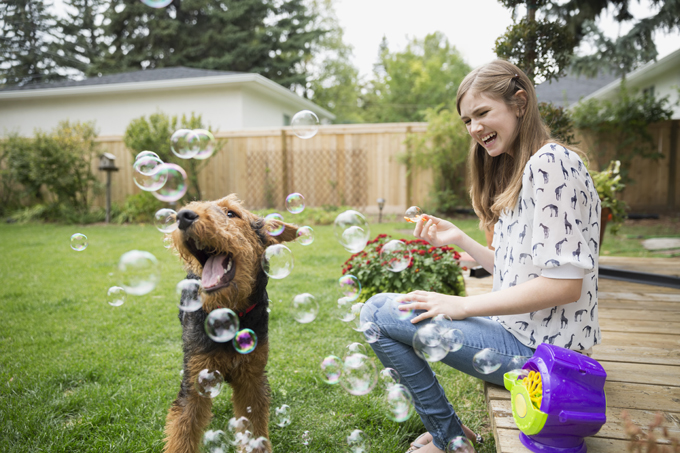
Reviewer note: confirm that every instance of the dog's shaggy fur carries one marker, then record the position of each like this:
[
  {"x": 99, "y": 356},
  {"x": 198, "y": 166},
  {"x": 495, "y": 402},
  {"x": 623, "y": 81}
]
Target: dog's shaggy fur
[{"x": 218, "y": 233}]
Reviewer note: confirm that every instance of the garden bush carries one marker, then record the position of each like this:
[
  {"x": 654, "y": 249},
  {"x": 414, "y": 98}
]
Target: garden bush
[{"x": 429, "y": 269}]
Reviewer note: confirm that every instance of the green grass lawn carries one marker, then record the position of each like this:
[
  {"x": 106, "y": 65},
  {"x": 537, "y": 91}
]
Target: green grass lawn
[{"x": 79, "y": 375}]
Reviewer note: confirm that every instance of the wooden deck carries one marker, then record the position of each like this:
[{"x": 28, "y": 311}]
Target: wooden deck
[{"x": 641, "y": 353}]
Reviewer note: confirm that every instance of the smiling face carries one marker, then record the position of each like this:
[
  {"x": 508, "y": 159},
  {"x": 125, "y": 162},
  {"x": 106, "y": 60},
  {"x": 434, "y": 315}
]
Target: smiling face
[{"x": 490, "y": 122}]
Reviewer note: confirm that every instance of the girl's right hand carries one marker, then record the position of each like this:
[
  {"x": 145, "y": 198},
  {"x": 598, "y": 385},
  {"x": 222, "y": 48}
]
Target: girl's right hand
[{"x": 437, "y": 232}]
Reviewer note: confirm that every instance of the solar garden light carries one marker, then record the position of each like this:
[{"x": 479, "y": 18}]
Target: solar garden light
[
  {"x": 107, "y": 163},
  {"x": 557, "y": 400},
  {"x": 381, "y": 205}
]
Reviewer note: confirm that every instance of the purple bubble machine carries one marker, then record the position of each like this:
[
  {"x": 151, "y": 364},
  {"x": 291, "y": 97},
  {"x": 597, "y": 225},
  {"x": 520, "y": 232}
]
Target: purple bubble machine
[{"x": 557, "y": 400}]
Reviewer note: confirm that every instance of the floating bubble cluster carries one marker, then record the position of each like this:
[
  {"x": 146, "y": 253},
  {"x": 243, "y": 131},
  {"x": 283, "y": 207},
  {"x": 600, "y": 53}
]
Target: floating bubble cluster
[
  {"x": 277, "y": 261},
  {"x": 486, "y": 361},
  {"x": 209, "y": 383},
  {"x": 147, "y": 173},
  {"x": 305, "y": 235},
  {"x": 205, "y": 142},
  {"x": 115, "y": 296},
  {"x": 183, "y": 143},
  {"x": 305, "y": 124},
  {"x": 215, "y": 441},
  {"x": 359, "y": 374},
  {"x": 395, "y": 255},
  {"x": 331, "y": 369},
  {"x": 240, "y": 431},
  {"x": 221, "y": 325},
  {"x": 166, "y": 220},
  {"x": 189, "y": 292},
  {"x": 399, "y": 403},
  {"x": 274, "y": 224},
  {"x": 305, "y": 308},
  {"x": 175, "y": 186},
  {"x": 282, "y": 416},
  {"x": 428, "y": 343},
  {"x": 138, "y": 272},
  {"x": 78, "y": 242},
  {"x": 295, "y": 203},
  {"x": 357, "y": 442},
  {"x": 245, "y": 341},
  {"x": 352, "y": 231},
  {"x": 259, "y": 445}
]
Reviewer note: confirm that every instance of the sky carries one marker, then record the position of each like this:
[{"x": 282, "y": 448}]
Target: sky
[{"x": 472, "y": 26}]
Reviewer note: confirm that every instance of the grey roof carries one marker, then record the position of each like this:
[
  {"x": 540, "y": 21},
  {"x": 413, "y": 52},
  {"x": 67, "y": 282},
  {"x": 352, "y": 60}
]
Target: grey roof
[
  {"x": 144, "y": 75},
  {"x": 570, "y": 88}
]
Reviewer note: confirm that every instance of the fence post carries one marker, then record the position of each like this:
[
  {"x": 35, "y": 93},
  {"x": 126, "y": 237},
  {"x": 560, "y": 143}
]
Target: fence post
[
  {"x": 284, "y": 164},
  {"x": 672, "y": 165},
  {"x": 409, "y": 172}
]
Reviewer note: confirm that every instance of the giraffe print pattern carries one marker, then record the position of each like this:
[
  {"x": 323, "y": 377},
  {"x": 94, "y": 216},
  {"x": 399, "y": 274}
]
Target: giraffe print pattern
[{"x": 553, "y": 228}]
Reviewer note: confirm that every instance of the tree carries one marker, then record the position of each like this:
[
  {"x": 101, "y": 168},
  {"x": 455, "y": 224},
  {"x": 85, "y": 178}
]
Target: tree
[
  {"x": 268, "y": 37},
  {"x": 426, "y": 74},
  {"x": 81, "y": 41},
  {"x": 24, "y": 43}
]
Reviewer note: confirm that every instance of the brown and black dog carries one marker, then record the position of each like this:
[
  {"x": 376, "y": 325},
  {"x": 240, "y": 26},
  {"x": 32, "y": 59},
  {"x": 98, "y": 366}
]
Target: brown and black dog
[{"x": 221, "y": 243}]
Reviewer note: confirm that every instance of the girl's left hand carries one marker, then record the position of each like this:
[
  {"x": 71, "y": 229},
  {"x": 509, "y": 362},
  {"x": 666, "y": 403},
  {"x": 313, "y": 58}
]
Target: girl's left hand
[{"x": 434, "y": 304}]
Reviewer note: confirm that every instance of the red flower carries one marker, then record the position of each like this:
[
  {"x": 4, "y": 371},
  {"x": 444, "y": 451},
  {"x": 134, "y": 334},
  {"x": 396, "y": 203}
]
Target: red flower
[{"x": 609, "y": 217}]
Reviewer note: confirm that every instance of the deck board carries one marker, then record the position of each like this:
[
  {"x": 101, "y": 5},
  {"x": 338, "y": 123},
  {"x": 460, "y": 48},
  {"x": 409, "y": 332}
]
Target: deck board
[{"x": 641, "y": 353}]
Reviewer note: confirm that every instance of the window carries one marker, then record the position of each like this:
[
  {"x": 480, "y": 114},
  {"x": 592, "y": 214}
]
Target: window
[
  {"x": 286, "y": 120},
  {"x": 649, "y": 91}
]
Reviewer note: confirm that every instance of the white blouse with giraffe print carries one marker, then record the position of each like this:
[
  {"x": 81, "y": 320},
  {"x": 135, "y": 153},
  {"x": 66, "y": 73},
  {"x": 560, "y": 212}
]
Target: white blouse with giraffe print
[{"x": 553, "y": 231}]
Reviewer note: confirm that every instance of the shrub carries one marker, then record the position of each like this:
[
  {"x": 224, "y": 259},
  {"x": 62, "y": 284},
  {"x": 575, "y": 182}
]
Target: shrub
[
  {"x": 139, "y": 207},
  {"x": 430, "y": 269}
]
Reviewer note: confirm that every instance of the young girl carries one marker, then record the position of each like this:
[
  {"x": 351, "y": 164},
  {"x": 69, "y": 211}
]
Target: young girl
[{"x": 540, "y": 199}]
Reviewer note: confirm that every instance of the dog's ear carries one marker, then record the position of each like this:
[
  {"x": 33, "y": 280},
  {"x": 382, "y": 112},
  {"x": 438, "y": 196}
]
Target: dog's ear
[{"x": 289, "y": 232}]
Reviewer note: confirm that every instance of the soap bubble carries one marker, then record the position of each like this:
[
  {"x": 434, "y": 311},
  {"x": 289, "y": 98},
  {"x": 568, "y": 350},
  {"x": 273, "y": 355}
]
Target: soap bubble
[
  {"x": 517, "y": 362},
  {"x": 282, "y": 416},
  {"x": 402, "y": 314},
  {"x": 306, "y": 438},
  {"x": 359, "y": 374},
  {"x": 274, "y": 224},
  {"x": 517, "y": 374},
  {"x": 209, "y": 383},
  {"x": 453, "y": 338},
  {"x": 399, "y": 403},
  {"x": 347, "y": 312},
  {"x": 78, "y": 242},
  {"x": 259, "y": 445},
  {"x": 183, "y": 144},
  {"x": 350, "y": 287},
  {"x": 371, "y": 331},
  {"x": 205, "y": 142},
  {"x": 351, "y": 230},
  {"x": 240, "y": 430},
  {"x": 305, "y": 308},
  {"x": 190, "y": 299},
  {"x": 166, "y": 220},
  {"x": 245, "y": 341},
  {"x": 389, "y": 377},
  {"x": 167, "y": 241},
  {"x": 428, "y": 343},
  {"x": 357, "y": 441},
  {"x": 486, "y": 361},
  {"x": 295, "y": 203},
  {"x": 175, "y": 186},
  {"x": 138, "y": 272},
  {"x": 331, "y": 369},
  {"x": 145, "y": 154},
  {"x": 115, "y": 296},
  {"x": 395, "y": 255},
  {"x": 157, "y": 3},
  {"x": 412, "y": 213},
  {"x": 221, "y": 325},
  {"x": 215, "y": 441},
  {"x": 356, "y": 312},
  {"x": 459, "y": 444},
  {"x": 305, "y": 235},
  {"x": 356, "y": 347},
  {"x": 147, "y": 173},
  {"x": 305, "y": 124},
  {"x": 277, "y": 261}
]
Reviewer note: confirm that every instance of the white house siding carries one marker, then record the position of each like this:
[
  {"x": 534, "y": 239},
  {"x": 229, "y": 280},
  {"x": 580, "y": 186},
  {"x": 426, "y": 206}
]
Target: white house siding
[{"x": 262, "y": 111}]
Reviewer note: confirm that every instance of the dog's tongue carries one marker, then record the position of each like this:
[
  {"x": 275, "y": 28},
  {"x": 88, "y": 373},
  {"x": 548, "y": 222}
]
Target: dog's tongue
[{"x": 213, "y": 270}]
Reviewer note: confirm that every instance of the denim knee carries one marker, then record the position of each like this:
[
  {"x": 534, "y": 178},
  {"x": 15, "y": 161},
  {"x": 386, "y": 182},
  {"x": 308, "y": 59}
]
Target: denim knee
[{"x": 369, "y": 312}]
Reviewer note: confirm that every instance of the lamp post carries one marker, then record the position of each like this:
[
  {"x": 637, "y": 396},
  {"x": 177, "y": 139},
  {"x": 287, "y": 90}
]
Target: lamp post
[
  {"x": 381, "y": 205},
  {"x": 107, "y": 163}
]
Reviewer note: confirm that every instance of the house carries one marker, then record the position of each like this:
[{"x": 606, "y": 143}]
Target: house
[
  {"x": 569, "y": 89},
  {"x": 660, "y": 78},
  {"x": 227, "y": 101}
]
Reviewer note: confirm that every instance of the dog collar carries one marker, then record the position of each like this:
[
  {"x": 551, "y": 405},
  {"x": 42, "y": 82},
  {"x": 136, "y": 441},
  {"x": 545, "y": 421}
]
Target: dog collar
[{"x": 248, "y": 310}]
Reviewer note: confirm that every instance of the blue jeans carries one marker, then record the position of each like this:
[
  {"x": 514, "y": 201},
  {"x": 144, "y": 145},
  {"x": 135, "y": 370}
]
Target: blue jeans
[{"x": 394, "y": 349}]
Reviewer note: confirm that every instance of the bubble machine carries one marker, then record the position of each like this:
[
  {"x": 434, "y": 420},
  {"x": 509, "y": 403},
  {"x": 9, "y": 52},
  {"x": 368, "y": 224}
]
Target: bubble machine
[{"x": 557, "y": 400}]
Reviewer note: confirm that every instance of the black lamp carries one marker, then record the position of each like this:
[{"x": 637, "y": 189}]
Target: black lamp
[
  {"x": 381, "y": 205},
  {"x": 107, "y": 163}
]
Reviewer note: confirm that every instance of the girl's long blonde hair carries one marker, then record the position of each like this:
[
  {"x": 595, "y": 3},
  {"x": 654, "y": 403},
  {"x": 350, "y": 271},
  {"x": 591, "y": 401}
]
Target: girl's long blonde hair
[{"x": 497, "y": 181}]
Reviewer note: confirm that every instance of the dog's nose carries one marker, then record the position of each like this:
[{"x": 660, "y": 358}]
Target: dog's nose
[{"x": 186, "y": 218}]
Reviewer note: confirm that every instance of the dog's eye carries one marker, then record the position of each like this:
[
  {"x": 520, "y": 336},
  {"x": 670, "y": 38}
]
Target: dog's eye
[{"x": 231, "y": 214}]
